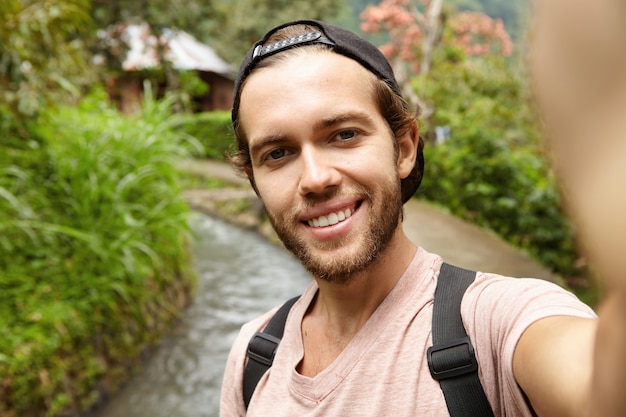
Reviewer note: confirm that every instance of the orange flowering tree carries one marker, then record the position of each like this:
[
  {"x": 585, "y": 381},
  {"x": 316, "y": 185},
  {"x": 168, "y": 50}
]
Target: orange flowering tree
[{"x": 416, "y": 28}]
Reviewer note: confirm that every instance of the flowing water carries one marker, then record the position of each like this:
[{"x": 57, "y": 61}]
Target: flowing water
[{"x": 240, "y": 276}]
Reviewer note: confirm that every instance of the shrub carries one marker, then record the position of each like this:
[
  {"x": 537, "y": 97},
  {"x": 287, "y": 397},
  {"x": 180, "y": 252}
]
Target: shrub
[
  {"x": 493, "y": 170},
  {"x": 93, "y": 253},
  {"x": 213, "y": 130}
]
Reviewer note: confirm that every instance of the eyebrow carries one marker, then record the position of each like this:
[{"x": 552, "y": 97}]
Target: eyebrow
[
  {"x": 266, "y": 141},
  {"x": 324, "y": 123},
  {"x": 350, "y": 116}
]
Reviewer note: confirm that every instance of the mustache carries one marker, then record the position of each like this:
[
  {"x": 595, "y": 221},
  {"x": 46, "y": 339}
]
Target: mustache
[{"x": 358, "y": 191}]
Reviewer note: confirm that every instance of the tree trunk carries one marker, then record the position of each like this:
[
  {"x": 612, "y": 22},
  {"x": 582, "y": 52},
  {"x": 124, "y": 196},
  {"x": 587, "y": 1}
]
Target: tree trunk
[{"x": 432, "y": 30}]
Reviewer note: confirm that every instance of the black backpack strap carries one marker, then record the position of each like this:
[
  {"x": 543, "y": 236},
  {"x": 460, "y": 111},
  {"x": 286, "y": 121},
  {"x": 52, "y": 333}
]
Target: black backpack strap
[
  {"x": 262, "y": 348},
  {"x": 451, "y": 359}
]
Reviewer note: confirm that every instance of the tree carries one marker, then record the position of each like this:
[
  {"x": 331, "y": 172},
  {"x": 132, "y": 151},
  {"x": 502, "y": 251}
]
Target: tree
[
  {"x": 512, "y": 12},
  {"x": 243, "y": 22},
  {"x": 43, "y": 60},
  {"x": 416, "y": 30}
]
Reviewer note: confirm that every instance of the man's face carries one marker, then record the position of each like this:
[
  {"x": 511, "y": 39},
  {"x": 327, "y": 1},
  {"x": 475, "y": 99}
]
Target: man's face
[{"x": 323, "y": 161}]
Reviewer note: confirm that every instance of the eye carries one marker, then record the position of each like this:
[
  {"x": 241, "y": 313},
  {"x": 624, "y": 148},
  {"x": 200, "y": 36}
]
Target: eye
[
  {"x": 276, "y": 154},
  {"x": 346, "y": 135}
]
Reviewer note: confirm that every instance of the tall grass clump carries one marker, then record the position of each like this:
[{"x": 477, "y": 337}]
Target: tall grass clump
[
  {"x": 213, "y": 130},
  {"x": 94, "y": 259}
]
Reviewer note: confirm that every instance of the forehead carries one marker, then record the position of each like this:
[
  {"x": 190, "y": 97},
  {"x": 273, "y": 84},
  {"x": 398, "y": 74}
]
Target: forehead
[{"x": 309, "y": 83}]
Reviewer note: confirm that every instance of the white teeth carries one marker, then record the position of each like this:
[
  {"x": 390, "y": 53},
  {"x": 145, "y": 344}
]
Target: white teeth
[{"x": 331, "y": 219}]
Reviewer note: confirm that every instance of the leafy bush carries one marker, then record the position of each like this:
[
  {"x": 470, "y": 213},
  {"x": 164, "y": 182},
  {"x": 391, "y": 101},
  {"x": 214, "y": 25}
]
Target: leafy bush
[
  {"x": 213, "y": 130},
  {"x": 493, "y": 170},
  {"x": 44, "y": 60},
  {"x": 93, "y": 253}
]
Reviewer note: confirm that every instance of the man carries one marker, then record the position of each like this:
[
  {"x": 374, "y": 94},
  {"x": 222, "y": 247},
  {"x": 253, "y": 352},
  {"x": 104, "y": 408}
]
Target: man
[{"x": 332, "y": 151}]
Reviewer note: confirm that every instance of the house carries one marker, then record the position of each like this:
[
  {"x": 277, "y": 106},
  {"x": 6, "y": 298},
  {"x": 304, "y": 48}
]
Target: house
[{"x": 181, "y": 50}]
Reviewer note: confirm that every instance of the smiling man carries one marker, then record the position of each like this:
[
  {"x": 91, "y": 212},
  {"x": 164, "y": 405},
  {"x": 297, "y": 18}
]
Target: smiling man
[
  {"x": 333, "y": 198},
  {"x": 333, "y": 152}
]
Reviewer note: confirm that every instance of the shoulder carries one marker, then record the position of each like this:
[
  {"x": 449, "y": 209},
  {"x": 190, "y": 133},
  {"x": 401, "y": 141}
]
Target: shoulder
[
  {"x": 231, "y": 398},
  {"x": 231, "y": 401},
  {"x": 497, "y": 292},
  {"x": 497, "y": 310}
]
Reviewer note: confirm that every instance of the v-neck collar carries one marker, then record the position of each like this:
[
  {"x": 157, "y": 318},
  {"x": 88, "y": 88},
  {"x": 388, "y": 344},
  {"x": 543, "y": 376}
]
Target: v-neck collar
[{"x": 319, "y": 387}]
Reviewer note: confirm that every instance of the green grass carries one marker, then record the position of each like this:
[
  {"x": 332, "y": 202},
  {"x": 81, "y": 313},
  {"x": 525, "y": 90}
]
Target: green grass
[{"x": 94, "y": 256}]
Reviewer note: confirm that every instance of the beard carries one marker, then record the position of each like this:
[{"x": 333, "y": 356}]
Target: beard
[{"x": 334, "y": 262}]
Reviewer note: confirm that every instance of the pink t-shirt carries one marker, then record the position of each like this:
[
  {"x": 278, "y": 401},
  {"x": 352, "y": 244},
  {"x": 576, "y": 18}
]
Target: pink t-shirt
[{"x": 383, "y": 371}]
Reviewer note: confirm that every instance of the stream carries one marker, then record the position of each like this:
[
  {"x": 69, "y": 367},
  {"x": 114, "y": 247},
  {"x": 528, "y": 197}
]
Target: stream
[{"x": 240, "y": 275}]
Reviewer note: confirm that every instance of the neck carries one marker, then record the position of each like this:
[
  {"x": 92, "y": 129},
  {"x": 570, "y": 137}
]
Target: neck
[
  {"x": 339, "y": 311},
  {"x": 346, "y": 307}
]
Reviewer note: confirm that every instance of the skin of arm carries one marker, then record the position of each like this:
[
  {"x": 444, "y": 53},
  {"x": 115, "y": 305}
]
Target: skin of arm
[
  {"x": 579, "y": 79},
  {"x": 609, "y": 377},
  {"x": 571, "y": 366},
  {"x": 553, "y": 364}
]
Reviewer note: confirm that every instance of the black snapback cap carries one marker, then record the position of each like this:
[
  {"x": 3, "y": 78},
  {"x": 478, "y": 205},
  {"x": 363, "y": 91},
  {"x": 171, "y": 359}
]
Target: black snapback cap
[{"x": 344, "y": 43}]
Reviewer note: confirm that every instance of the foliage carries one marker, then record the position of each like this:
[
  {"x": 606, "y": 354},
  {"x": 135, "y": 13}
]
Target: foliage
[
  {"x": 240, "y": 23},
  {"x": 493, "y": 169},
  {"x": 191, "y": 15},
  {"x": 478, "y": 34},
  {"x": 408, "y": 24},
  {"x": 214, "y": 132},
  {"x": 42, "y": 58},
  {"x": 158, "y": 14},
  {"x": 511, "y": 12},
  {"x": 93, "y": 253}
]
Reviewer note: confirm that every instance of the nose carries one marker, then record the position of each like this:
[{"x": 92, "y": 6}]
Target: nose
[{"x": 318, "y": 172}]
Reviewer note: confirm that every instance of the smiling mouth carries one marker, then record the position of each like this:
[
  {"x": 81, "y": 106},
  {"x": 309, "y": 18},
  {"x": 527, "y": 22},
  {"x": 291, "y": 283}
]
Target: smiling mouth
[{"x": 331, "y": 218}]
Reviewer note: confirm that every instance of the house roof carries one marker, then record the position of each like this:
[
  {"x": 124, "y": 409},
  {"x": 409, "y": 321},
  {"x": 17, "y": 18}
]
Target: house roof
[{"x": 181, "y": 49}]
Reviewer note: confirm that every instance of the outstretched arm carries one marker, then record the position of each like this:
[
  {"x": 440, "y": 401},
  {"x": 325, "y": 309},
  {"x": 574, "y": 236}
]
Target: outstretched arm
[
  {"x": 553, "y": 364},
  {"x": 580, "y": 85},
  {"x": 571, "y": 366},
  {"x": 609, "y": 379}
]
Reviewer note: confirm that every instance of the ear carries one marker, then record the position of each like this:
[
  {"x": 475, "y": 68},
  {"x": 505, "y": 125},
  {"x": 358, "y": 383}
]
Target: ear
[
  {"x": 407, "y": 151},
  {"x": 250, "y": 175}
]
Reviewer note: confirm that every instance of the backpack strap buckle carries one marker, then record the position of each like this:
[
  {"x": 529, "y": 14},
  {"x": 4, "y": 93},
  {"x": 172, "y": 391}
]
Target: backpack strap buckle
[
  {"x": 262, "y": 348},
  {"x": 452, "y": 359}
]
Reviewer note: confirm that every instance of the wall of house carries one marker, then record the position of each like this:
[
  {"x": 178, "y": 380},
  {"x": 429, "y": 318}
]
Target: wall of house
[
  {"x": 220, "y": 95},
  {"x": 126, "y": 92}
]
